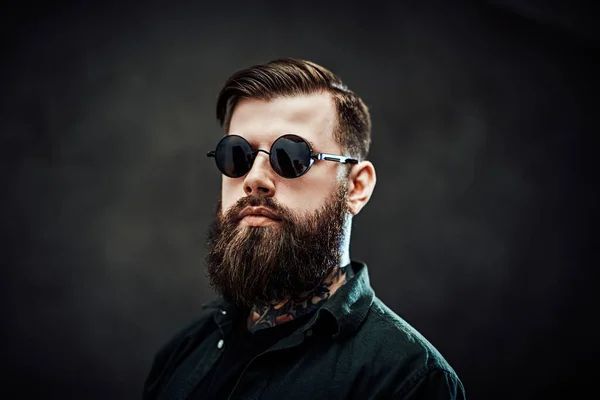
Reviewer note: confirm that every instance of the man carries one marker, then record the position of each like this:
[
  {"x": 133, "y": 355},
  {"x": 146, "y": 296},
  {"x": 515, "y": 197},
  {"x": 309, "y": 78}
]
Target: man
[{"x": 296, "y": 319}]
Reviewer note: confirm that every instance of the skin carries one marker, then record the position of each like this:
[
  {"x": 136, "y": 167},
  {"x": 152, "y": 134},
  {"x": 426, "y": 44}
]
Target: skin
[{"x": 312, "y": 117}]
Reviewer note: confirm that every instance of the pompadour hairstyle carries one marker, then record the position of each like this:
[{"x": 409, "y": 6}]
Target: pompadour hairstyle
[{"x": 293, "y": 77}]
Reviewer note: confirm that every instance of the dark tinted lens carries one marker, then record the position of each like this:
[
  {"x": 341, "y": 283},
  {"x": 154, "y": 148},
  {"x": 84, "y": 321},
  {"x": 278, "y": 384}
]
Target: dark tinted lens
[
  {"x": 290, "y": 156},
  {"x": 234, "y": 156}
]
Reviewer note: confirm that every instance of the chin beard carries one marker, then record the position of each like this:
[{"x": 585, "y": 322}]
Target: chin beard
[{"x": 267, "y": 265}]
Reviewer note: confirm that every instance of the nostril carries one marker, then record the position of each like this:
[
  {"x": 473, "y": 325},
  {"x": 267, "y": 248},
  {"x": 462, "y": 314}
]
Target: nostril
[{"x": 263, "y": 189}]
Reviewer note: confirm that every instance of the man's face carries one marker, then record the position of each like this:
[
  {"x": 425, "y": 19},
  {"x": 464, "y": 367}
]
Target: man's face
[
  {"x": 312, "y": 117},
  {"x": 263, "y": 260}
]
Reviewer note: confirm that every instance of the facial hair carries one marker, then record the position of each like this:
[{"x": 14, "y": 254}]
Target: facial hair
[{"x": 266, "y": 265}]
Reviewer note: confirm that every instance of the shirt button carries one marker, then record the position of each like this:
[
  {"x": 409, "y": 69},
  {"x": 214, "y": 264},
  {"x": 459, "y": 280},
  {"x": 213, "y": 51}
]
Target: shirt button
[
  {"x": 309, "y": 332},
  {"x": 220, "y": 344},
  {"x": 223, "y": 312}
]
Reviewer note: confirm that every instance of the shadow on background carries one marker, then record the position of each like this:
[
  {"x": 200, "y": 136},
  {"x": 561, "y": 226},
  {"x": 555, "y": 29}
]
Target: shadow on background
[{"x": 479, "y": 232}]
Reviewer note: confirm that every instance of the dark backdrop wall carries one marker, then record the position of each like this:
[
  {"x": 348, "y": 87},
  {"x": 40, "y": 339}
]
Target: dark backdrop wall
[{"x": 479, "y": 232}]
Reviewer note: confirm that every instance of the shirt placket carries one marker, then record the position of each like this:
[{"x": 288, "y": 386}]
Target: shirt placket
[
  {"x": 224, "y": 324},
  {"x": 258, "y": 377}
]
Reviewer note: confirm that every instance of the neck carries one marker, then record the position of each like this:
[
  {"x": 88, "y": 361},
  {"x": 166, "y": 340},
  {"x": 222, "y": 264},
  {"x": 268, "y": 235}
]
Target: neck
[{"x": 269, "y": 316}]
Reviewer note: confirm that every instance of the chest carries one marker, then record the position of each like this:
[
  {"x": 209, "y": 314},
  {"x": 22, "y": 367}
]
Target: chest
[
  {"x": 312, "y": 369},
  {"x": 299, "y": 367}
]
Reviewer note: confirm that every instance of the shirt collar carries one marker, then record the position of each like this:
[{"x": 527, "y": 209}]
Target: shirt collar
[
  {"x": 351, "y": 302},
  {"x": 348, "y": 306}
]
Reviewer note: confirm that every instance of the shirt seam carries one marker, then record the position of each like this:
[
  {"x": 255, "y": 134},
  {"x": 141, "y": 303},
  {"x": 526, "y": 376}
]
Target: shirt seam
[
  {"x": 436, "y": 364},
  {"x": 419, "y": 375},
  {"x": 382, "y": 317}
]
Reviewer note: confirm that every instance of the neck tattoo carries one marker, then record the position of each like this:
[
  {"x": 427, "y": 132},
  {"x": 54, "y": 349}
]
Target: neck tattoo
[{"x": 269, "y": 316}]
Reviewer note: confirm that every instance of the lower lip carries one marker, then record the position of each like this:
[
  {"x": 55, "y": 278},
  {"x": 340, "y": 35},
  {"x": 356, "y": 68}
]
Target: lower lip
[{"x": 258, "y": 220}]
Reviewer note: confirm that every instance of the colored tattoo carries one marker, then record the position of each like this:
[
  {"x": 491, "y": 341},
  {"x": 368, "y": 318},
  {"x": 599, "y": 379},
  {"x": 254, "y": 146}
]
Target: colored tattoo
[{"x": 269, "y": 316}]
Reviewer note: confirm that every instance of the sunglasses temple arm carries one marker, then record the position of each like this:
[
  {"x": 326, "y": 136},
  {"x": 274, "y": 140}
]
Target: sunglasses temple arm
[
  {"x": 211, "y": 154},
  {"x": 333, "y": 157}
]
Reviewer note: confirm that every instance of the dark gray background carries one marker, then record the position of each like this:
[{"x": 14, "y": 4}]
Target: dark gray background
[{"x": 480, "y": 232}]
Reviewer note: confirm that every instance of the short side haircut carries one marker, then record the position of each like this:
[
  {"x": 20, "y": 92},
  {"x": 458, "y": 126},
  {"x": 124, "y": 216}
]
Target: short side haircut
[{"x": 293, "y": 77}]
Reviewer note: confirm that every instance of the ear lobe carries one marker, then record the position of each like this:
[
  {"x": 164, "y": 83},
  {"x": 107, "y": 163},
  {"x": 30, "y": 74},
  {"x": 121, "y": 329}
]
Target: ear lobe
[{"x": 361, "y": 184}]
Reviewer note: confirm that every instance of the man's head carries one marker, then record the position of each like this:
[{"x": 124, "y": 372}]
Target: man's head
[{"x": 275, "y": 237}]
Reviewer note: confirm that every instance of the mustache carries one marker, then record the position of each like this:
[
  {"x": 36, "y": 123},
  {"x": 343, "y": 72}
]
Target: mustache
[{"x": 234, "y": 213}]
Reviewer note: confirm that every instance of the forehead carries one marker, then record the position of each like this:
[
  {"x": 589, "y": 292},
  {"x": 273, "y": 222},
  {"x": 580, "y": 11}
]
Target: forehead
[{"x": 310, "y": 116}]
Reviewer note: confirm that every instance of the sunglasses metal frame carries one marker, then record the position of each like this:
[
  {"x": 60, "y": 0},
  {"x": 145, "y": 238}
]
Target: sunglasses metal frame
[{"x": 313, "y": 157}]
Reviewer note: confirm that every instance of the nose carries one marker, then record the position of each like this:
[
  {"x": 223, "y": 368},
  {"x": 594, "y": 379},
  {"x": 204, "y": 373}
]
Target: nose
[{"x": 259, "y": 180}]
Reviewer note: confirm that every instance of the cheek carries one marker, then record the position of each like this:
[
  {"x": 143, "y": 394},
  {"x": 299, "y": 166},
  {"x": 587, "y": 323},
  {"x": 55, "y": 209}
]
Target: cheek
[
  {"x": 307, "y": 195},
  {"x": 231, "y": 192},
  {"x": 305, "y": 202}
]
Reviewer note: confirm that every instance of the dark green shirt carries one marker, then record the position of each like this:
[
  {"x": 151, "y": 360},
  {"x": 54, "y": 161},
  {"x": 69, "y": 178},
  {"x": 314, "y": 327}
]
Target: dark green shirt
[{"x": 352, "y": 347}]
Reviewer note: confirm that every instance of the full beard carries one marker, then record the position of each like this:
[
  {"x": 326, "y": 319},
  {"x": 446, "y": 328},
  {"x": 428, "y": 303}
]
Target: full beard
[{"x": 267, "y": 265}]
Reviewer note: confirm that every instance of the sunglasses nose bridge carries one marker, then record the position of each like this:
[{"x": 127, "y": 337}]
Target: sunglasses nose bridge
[
  {"x": 255, "y": 153},
  {"x": 255, "y": 156}
]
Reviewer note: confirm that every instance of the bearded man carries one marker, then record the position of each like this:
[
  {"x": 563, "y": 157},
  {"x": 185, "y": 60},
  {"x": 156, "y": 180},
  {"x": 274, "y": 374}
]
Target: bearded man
[{"x": 296, "y": 317}]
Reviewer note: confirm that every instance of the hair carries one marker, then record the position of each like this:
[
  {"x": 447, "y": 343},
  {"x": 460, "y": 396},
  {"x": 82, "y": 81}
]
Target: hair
[{"x": 293, "y": 77}]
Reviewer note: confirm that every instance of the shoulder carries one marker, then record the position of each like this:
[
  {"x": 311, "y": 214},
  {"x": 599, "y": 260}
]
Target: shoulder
[
  {"x": 175, "y": 348},
  {"x": 398, "y": 337},
  {"x": 402, "y": 354}
]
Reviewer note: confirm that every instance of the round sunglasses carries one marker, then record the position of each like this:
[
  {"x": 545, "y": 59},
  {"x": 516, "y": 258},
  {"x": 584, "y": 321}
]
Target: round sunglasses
[{"x": 290, "y": 156}]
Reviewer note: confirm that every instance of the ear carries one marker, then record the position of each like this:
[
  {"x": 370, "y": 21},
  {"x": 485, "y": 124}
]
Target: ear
[{"x": 361, "y": 184}]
